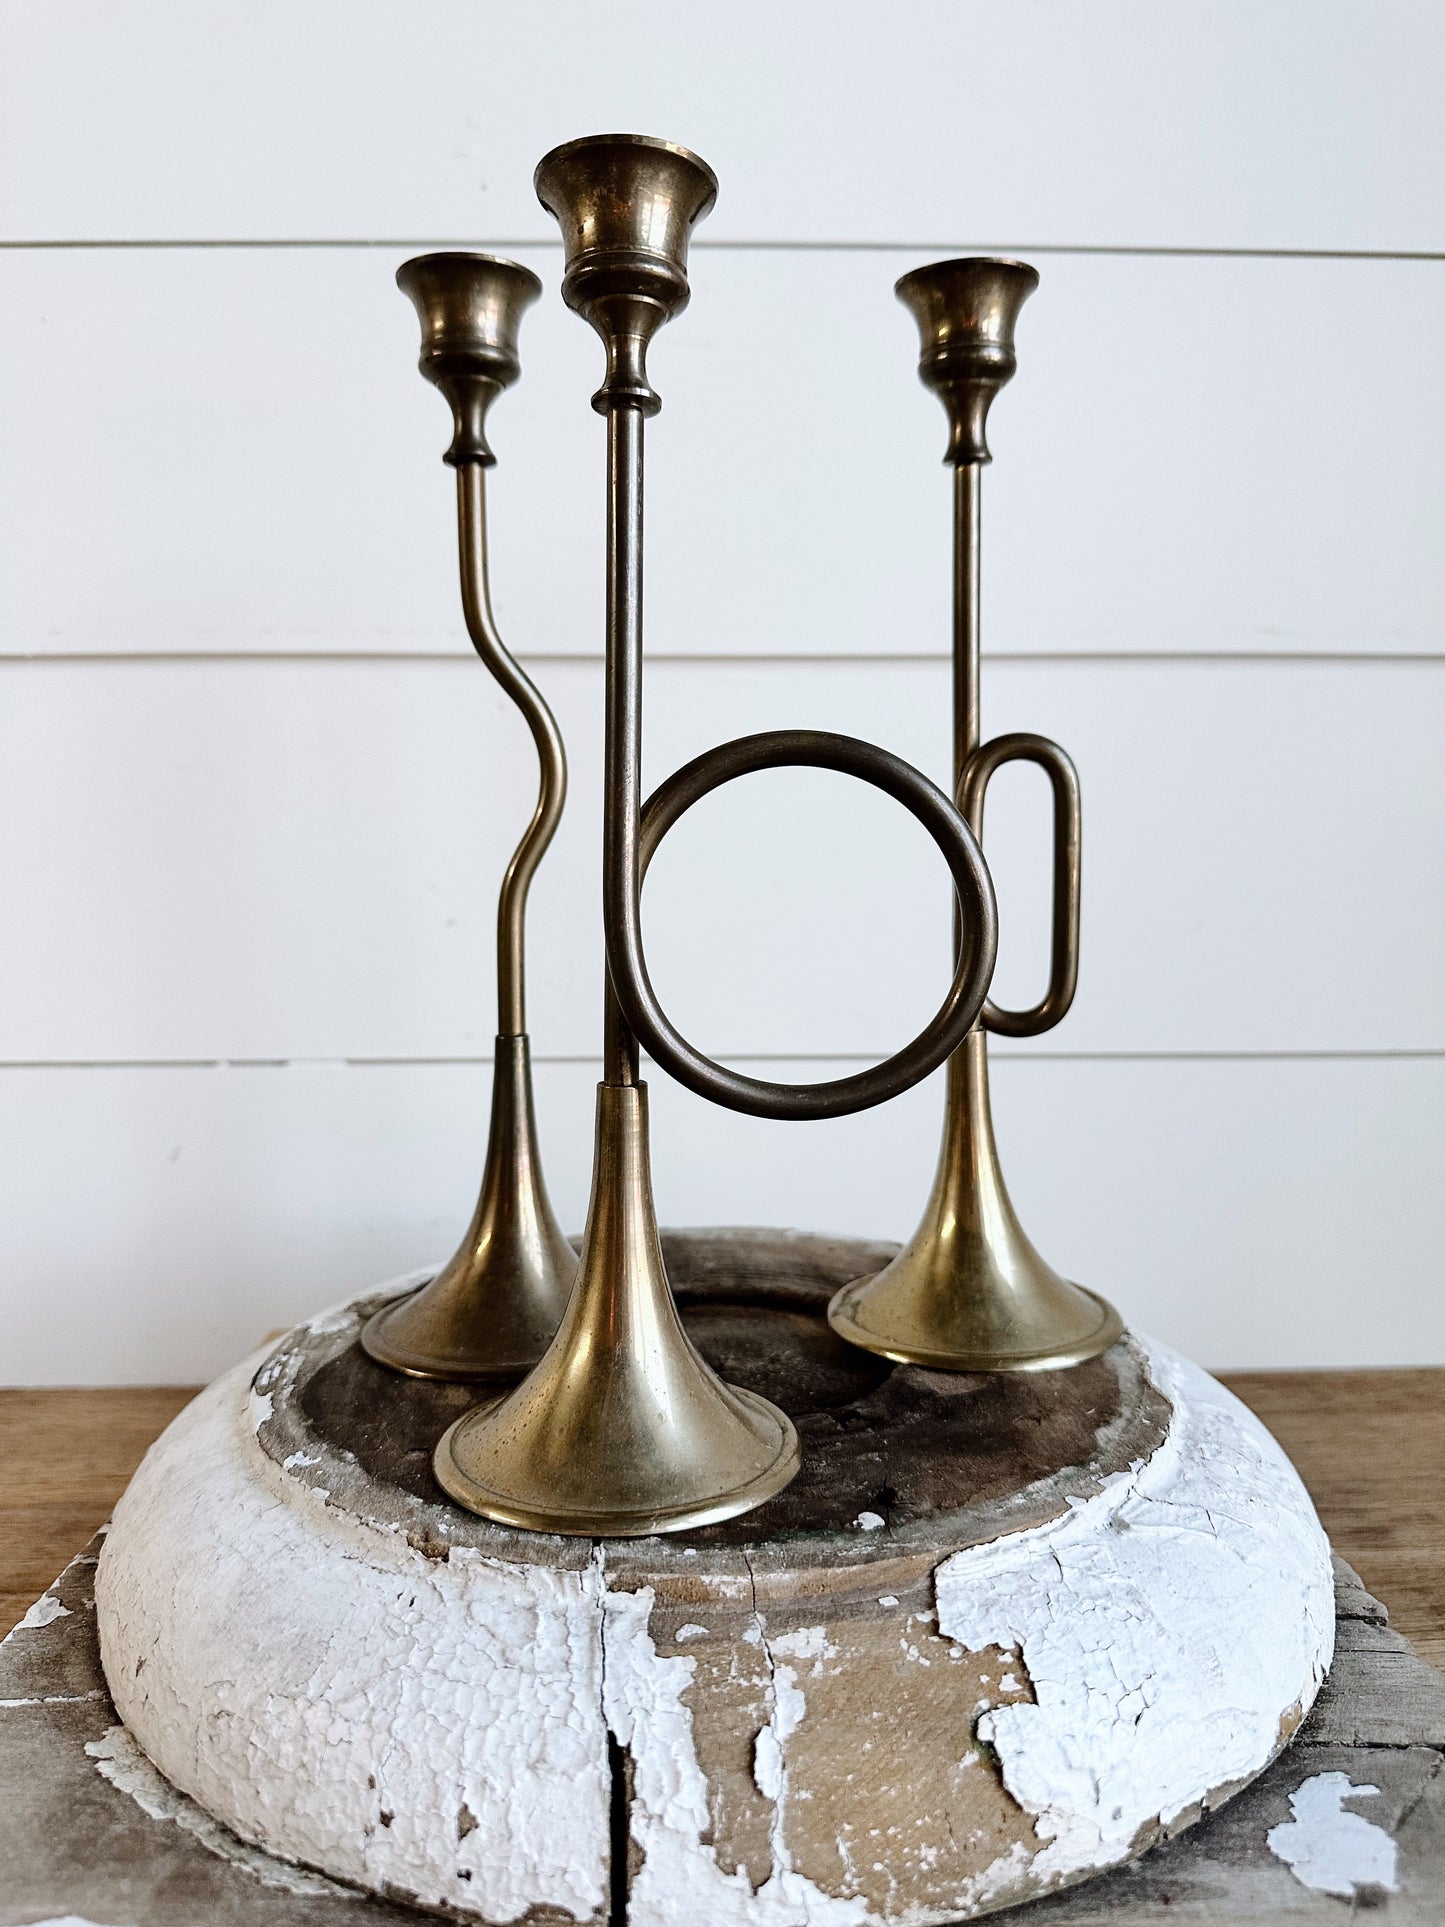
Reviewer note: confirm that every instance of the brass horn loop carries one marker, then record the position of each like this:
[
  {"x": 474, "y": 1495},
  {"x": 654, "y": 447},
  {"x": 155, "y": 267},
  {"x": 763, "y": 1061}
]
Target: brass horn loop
[
  {"x": 627, "y": 207},
  {"x": 1021, "y": 746},
  {"x": 760, "y": 1097}
]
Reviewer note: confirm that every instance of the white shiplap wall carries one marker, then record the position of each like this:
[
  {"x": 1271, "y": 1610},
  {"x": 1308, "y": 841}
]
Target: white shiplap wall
[{"x": 255, "y": 792}]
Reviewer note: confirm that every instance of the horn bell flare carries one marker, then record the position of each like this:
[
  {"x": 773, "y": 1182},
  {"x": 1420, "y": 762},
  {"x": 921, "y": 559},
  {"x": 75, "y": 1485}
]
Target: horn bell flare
[
  {"x": 968, "y": 1292},
  {"x": 494, "y": 1309},
  {"x": 623, "y": 1430}
]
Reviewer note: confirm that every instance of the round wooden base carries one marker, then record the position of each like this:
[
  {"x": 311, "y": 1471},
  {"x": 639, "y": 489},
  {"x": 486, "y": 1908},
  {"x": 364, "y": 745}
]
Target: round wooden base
[{"x": 999, "y": 1633}]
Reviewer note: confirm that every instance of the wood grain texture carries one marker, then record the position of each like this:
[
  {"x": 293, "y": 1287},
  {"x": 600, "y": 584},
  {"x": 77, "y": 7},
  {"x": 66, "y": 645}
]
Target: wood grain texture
[
  {"x": 69, "y": 1455},
  {"x": 1371, "y": 1448},
  {"x": 1369, "y": 1445}
]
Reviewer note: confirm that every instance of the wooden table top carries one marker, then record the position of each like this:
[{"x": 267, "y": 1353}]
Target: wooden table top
[{"x": 1370, "y": 1446}]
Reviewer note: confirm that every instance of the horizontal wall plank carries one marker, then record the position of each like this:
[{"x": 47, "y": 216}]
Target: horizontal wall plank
[
  {"x": 1256, "y": 1215},
  {"x": 286, "y": 860},
  {"x": 241, "y": 458},
  {"x": 1245, "y": 123}
]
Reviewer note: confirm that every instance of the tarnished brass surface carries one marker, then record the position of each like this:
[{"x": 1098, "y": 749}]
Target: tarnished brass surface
[
  {"x": 626, "y": 205},
  {"x": 969, "y": 1284},
  {"x": 470, "y": 307},
  {"x": 492, "y": 1311},
  {"x": 622, "y": 1430},
  {"x": 969, "y": 1292},
  {"x": 966, "y": 311}
]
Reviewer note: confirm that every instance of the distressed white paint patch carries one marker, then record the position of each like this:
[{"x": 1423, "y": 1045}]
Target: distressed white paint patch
[
  {"x": 1127, "y": 1615},
  {"x": 119, "y": 1760},
  {"x": 804, "y": 1642},
  {"x": 302, "y": 1675},
  {"x": 66, "y": 1920},
  {"x": 58, "y": 1699},
  {"x": 870, "y": 1522},
  {"x": 44, "y": 1612},
  {"x": 679, "y": 1879},
  {"x": 769, "y": 1775},
  {"x": 691, "y": 1631},
  {"x": 1329, "y": 1848}
]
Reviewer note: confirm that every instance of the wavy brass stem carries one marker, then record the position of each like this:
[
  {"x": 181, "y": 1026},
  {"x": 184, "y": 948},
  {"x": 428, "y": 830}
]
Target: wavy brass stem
[
  {"x": 551, "y": 756},
  {"x": 492, "y": 1310}
]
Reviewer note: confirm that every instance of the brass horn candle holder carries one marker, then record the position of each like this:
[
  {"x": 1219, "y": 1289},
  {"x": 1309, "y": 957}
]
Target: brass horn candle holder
[
  {"x": 969, "y": 1292},
  {"x": 493, "y": 1310},
  {"x": 622, "y": 1428}
]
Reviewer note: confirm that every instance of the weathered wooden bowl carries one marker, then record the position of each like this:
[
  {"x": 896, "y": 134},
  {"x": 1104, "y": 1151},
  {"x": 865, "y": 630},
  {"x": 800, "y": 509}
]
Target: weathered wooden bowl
[{"x": 1000, "y": 1633}]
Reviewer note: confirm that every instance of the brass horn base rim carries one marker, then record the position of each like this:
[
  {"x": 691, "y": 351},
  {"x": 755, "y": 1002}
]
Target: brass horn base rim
[
  {"x": 602, "y": 1522},
  {"x": 461, "y": 1369},
  {"x": 1053, "y": 1358}
]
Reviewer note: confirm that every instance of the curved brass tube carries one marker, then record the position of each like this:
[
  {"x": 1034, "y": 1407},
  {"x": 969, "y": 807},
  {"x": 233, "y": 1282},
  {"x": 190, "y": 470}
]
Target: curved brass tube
[
  {"x": 625, "y": 849},
  {"x": 1022, "y": 747},
  {"x": 809, "y": 749},
  {"x": 551, "y": 756}
]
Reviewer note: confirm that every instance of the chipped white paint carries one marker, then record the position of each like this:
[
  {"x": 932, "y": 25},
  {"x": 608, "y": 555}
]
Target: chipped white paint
[
  {"x": 55, "y": 1699},
  {"x": 339, "y": 1699},
  {"x": 119, "y": 1760},
  {"x": 804, "y": 1642},
  {"x": 46, "y": 1609},
  {"x": 66, "y": 1920},
  {"x": 1127, "y": 1616},
  {"x": 679, "y": 1878},
  {"x": 440, "y": 1724},
  {"x": 1327, "y": 1847}
]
